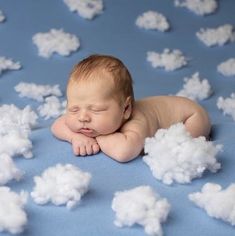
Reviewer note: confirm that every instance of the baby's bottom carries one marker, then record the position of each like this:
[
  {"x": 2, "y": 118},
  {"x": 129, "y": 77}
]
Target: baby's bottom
[{"x": 198, "y": 124}]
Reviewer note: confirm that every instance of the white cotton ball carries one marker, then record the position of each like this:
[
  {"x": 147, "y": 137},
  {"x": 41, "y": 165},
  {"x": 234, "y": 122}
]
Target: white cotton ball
[
  {"x": 227, "y": 105},
  {"x": 8, "y": 170},
  {"x": 174, "y": 155},
  {"x": 51, "y": 108},
  {"x": 141, "y": 205},
  {"x": 87, "y": 9},
  {"x": 12, "y": 215},
  {"x": 218, "y": 203},
  {"x": 152, "y": 20},
  {"x": 218, "y": 36},
  {"x": 195, "y": 88},
  {"x": 169, "y": 60},
  {"x": 61, "y": 184},
  {"x": 227, "y": 68},
  {"x": 8, "y": 64},
  {"x": 199, "y": 7},
  {"x": 56, "y": 41},
  {"x": 37, "y": 91}
]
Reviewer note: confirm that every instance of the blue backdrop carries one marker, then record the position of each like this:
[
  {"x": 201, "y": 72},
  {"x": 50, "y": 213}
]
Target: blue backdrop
[{"x": 114, "y": 32}]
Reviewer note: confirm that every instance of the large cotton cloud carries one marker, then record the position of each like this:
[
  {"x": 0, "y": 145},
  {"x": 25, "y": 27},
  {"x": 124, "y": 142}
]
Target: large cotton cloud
[
  {"x": 13, "y": 218},
  {"x": 61, "y": 184},
  {"x": 56, "y": 41},
  {"x": 174, "y": 155},
  {"x": 218, "y": 203},
  {"x": 141, "y": 205}
]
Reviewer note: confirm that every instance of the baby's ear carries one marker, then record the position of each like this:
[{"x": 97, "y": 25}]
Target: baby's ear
[{"x": 127, "y": 108}]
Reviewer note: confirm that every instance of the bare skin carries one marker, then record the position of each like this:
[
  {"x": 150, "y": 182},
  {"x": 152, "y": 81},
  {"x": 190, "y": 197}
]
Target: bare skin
[{"x": 97, "y": 122}]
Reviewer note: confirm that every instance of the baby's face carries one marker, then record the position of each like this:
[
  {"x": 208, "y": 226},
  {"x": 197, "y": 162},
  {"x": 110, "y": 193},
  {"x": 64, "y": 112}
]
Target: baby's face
[{"x": 91, "y": 110}]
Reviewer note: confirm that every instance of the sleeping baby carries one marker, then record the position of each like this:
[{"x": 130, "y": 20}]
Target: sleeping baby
[{"x": 102, "y": 114}]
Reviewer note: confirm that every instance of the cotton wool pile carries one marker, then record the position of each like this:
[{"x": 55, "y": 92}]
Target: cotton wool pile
[
  {"x": 195, "y": 88},
  {"x": 61, "y": 184},
  {"x": 37, "y": 91},
  {"x": 2, "y": 17},
  {"x": 13, "y": 217},
  {"x": 8, "y": 64},
  {"x": 87, "y": 9},
  {"x": 141, "y": 205},
  {"x": 227, "y": 68},
  {"x": 217, "y": 36},
  {"x": 218, "y": 203},
  {"x": 227, "y": 105},
  {"x": 170, "y": 59},
  {"x": 199, "y": 7},
  {"x": 56, "y": 41},
  {"x": 8, "y": 170},
  {"x": 152, "y": 20},
  {"x": 15, "y": 128},
  {"x": 174, "y": 155}
]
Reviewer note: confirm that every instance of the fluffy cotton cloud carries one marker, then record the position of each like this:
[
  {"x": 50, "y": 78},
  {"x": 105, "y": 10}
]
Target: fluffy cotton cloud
[
  {"x": 56, "y": 41},
  {"x": 52, "y": 108},
  {"x": 173, "y": 155},
  {"x": 12, "y": 215},
  {"x": 2, "y": 17},
  {"x": 169, "y": 60},
  {"x": 227, "y": 105},
  {"x": 8, "y": 170},
  {"x": 15, "y": 127},
  {"x": 141, "y": 205},
  {"x": 61, "y": 184},
  {"x": 199, "y": 7},
  {"x": 8, "y": 64},
  {"x": 152, "y": 20},
  {"x": 87, "y": 9},
  {"x": 218, "y": 203},
  {"x": 227, "y": 68},
  {"x": 37, "y": 91},
  {"x": 195, "y": 88},
  {"x": 217, "y": 36}
]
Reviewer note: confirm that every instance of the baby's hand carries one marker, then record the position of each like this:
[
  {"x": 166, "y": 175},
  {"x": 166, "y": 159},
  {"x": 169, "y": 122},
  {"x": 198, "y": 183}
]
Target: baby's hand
[{"x": 83, "y": 145}]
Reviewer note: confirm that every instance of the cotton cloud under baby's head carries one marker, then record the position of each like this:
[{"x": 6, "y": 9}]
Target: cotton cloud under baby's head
[
  {"x": 218, "y": 203},
  {"x": 174, "y": 155},
  {"x": 141, "y": 205},
  {"x": 12, "y": 215},
  {"x": 61, "y": 184}
]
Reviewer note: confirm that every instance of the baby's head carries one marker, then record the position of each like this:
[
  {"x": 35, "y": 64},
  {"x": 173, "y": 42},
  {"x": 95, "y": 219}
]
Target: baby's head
[{"x": 99, "y": 95}]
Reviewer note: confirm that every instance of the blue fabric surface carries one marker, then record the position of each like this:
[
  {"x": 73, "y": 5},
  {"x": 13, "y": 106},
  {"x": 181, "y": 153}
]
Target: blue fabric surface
[{"x": 114, "y": 32}]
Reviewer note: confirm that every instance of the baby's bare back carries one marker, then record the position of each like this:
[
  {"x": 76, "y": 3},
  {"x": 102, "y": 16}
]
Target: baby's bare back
[{"x": 153, "y": 113}]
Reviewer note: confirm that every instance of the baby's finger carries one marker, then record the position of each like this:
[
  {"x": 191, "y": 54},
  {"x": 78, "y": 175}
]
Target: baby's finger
[
  {"x": 96, "y": 148},
  {"x": 82, "y": 151},
  {"x": 89, "y": 150},
  {"x": 76, "y": 150}
]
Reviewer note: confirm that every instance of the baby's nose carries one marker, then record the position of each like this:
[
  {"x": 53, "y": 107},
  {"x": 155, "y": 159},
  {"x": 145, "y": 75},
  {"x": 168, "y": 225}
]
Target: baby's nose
[{"x": 84, "y": 117}]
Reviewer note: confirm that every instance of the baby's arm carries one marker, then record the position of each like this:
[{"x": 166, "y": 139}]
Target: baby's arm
[
  {"x": 81, "y": 144},
  {"x": 125, "y": 145}
]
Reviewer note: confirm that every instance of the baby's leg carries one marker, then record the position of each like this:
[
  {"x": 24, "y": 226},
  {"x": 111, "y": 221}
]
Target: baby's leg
[{"x": 198, "y": 124}]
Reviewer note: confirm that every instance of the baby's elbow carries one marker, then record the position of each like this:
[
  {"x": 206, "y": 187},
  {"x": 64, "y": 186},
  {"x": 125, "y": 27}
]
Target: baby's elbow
[{"x": 124, "y": 156}]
